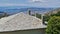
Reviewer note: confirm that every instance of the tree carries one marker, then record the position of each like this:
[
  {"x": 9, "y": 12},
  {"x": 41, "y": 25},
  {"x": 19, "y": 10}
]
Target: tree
[
  {"x": 3, "y": 15},
  {"x": 47, "y": 17},
  {"x": 53, "y": 26},
  {"x": 37, "y": 15},
  {"x": 57, "y": 14}
]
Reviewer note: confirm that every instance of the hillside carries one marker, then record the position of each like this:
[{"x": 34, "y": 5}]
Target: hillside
[
  {"x": 14, "y": 10},
  {"x": 55, "y": 11}
]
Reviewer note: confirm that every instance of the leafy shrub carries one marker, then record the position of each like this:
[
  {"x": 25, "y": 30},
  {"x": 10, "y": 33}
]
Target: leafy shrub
[
  {"x": 37, "y": 15},
  {"x": 53, "y": 26},
  {"x": 47, "y": 17}
]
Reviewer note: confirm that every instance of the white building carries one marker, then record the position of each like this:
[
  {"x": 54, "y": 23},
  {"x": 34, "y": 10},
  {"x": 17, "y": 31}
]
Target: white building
[{"x": 21, "y": 24}]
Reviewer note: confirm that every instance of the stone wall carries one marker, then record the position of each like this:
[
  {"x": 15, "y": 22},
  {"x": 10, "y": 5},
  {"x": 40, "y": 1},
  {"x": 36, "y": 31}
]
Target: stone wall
[{"x": 33, "y": 31}]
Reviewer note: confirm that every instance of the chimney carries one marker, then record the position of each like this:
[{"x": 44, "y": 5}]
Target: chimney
[
  {"x": 43, "y": 21},
  {"x": 29, "y": 12}
]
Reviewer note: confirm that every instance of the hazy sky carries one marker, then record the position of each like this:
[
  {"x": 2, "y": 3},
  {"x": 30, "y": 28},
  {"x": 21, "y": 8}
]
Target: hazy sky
[{"x": 31, "y": 3}]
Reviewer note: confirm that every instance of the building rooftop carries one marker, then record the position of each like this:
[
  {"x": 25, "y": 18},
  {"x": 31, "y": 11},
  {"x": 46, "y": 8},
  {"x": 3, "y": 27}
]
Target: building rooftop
[{"x": 20, "y": 21}]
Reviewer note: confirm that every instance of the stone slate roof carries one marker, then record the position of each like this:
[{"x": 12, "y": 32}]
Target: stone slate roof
[{"x": 20, "y": 21}]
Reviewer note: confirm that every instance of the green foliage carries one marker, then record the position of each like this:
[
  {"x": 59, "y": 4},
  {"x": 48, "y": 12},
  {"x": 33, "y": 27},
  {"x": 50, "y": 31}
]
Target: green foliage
[
  {"x": 57, "y": 14},
  {"x": 53, "y": 26},
  {"x": 37, "y": 15},
  {"x": 4, "y": 15},
  {"x": 47, "y": 17}
]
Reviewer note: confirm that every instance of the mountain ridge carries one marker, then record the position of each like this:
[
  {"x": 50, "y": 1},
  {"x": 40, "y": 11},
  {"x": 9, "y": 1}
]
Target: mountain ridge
[{"x": 13, "y": 10}]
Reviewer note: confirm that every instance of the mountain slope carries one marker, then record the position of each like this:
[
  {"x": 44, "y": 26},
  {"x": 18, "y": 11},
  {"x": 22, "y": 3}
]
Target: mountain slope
[{"x": 14, "y": 10}]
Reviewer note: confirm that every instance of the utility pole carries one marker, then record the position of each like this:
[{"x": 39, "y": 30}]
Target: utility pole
[
  {"x": 42, "y": 18},
  {"x": 43, "y": 21},
  {"x": 35, "y": 13}
]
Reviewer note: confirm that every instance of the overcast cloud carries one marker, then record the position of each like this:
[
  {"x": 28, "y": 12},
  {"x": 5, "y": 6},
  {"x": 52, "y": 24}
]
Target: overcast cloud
[{"x": 31, "y": 3}]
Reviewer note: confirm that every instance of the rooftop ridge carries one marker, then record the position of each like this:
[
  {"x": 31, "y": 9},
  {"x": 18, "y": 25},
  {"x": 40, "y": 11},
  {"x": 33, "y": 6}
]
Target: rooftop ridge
[{"x": 22, "y": 22}]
